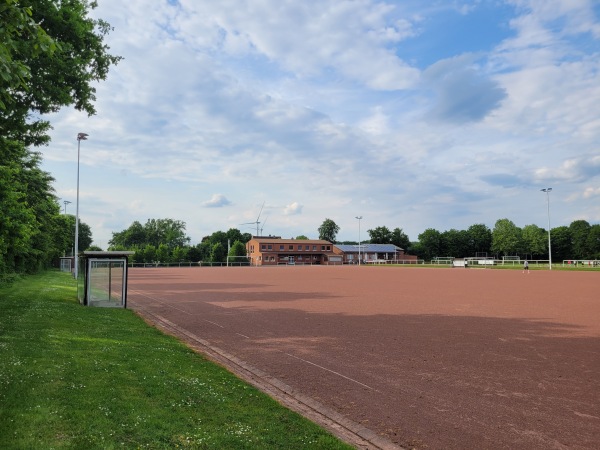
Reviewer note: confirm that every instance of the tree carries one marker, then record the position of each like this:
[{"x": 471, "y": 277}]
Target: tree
[
  {"x": 579, "y": 237},
  {"x": 18, "y": 25},
  {"x": 85, "y": 236},
  {"x": 54, "y": 61},
  {"x": 328, "y": 230},
  {"x": 217, "y": 253},
  {"x": 561, "y": 243},
  {"x": 506, "y": 238},
  {"x": 455, "y": 243},
  {"x": 238, "y": 249},
  {"x": 163, "y": 254},
  {"x": 302, "y": 238},
  {"x": 155, "y": 232},
  {"x": 233, "y": 234},
  {"x": 51, "y": 55},
  {"x": 593, "y": 242},
  {"x": 180, "y": 254},
  {"x": 480, "y": 239},
  {"x": 166, "y": 231},
  {"x": 400, "y": 239},
  {"x": 535, "y": 241},
  {"x": 430, "y": 243},
  {"x": 380, "y": 235}
]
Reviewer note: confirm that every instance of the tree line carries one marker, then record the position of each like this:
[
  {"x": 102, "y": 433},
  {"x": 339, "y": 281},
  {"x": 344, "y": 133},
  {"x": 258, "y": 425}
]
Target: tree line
[
  {"x": 579, "y": 240},
  {"x": 165, "y": 241},
  {"x": 51, "y": 55}
]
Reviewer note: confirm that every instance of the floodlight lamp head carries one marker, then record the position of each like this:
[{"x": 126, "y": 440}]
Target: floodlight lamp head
[
  {"x": 82, "y": 136},
  {"x": 359, "y": 217},
  {"x": 546, "y": 189}
]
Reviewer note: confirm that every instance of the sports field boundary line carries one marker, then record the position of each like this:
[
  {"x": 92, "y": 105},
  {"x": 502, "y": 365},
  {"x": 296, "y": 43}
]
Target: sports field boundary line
[{"x": 340, "y": 426}]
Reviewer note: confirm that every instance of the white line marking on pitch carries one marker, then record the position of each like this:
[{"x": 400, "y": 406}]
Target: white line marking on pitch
[
  {"x": 242, "y": 335},
  {"x": 332, "y": 371}
]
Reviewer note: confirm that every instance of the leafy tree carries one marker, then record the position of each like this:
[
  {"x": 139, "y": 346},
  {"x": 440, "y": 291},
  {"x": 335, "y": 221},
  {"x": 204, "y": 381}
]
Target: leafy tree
[
  {"x": 430, "y": 244},
  {"x": 51, "y": 55},
  {"x": 328, "y": 230},
  {"x": 163, "y": 254},
  {"x": 400, "y": 239},
  {"x": 455, "y": 243},
  {"x": 579, "y": 237},
  {"x": 52, "y": 64},
  {"x": 149, "y": 253},
  {"x": 166, "y": 231},
  {"x": 217, "y": 253},
  {"x": 535, "y": 241},
  {"x": 380, "y": 235},
  {"x": 506, "y": 238},
  {"x": 155, "y": 232},
  {"x": 238, "y": 249},
  {"x": 180, "y": 254},
  {"x": 233, "y": 234},
  {"x": 480, "y": 239},
  {"x": 561, "y": 243},
  {"x": 593, "y": 242},
  {"x": 85, "y": 236},
  {"x": 17, "y": 26},
  {"x": 302, "y": 238}
]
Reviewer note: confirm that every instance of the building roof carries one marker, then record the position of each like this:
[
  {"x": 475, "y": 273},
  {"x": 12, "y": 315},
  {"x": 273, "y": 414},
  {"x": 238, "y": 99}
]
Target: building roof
[
  {"x": 278, "y": 240},
  {"x": 371, "y": 248}
]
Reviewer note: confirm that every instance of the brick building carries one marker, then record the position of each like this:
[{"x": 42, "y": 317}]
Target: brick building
[{"x": 272, "y": 251}]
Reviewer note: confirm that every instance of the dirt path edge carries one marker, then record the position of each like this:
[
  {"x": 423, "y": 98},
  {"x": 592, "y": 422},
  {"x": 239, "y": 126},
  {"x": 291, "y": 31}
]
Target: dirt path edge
[{"x": 347, "y": 430}]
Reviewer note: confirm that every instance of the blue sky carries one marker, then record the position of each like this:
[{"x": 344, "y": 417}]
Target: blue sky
[{"x": 412, "y": 114}]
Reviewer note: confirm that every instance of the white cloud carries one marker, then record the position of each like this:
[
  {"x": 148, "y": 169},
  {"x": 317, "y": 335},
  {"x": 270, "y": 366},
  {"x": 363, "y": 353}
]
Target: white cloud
[
  {"x": 293, "y": 209},
  {"x": 216, "y": 201},
  {"x": 271, "y": 101}
]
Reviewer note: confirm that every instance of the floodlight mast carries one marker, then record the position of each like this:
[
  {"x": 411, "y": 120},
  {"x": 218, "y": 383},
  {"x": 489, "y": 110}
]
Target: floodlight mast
[
  {"x": 547, "y": 191},
  {"x": 359, "y": 219},
  {"x": 80, "y": 137}
]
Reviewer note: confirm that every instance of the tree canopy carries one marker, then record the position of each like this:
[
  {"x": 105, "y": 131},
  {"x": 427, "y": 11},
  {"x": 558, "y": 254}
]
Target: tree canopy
[
  {"x": 328, "y": 230},
  {"x": 51, "y": 56}
]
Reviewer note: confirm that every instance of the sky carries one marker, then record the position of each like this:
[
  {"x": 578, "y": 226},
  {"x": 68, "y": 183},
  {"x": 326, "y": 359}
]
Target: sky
[{"x": 411, "y": 114}]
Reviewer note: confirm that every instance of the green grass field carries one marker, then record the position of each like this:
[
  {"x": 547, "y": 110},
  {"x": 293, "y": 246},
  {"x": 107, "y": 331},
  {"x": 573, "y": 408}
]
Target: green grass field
[{"x": 74, "y": 377}]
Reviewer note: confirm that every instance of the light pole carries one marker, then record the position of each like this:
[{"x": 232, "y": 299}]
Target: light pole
[
  {"x": 66, "y": 202},
  {"x": 359, "y": 219},
  {"x": 80, "y": 137},
  {"x": 547, "y": 191}
]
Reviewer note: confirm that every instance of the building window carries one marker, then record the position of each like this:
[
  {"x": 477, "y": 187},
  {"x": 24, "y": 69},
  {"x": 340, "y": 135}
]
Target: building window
[
  {"x": 270, "y": 247},
  {"x": 291, "y": 247},
  {"x": 281, "y": 247},
  {"x": 307, "y": 247},
  {"x": 322, "y": 248},
  {"x": 263, "y": 247},
  {"x": 328, "y": 247},
  {"x": 314, "y": 248}
]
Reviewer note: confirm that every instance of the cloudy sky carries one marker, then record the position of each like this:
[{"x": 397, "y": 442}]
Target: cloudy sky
[{"x": 410, "y": 113}]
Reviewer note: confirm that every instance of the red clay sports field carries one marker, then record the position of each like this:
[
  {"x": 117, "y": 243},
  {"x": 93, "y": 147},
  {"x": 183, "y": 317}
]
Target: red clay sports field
[{"x": 407, "y": 357}]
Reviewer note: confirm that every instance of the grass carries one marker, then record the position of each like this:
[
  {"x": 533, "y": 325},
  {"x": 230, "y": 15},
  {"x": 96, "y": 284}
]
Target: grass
[{"x": 75, "y": 377}]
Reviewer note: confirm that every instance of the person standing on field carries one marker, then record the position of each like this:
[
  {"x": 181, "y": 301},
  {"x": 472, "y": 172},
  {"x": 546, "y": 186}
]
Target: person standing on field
[{"x": 526, "y": 267}]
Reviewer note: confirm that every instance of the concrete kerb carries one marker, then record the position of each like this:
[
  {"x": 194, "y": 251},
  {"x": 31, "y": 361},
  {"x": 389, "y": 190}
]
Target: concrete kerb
[{"x": 347, "y": 430}]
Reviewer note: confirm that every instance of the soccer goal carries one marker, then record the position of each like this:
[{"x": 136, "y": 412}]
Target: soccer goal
[{"x": 511, "y": 260}]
